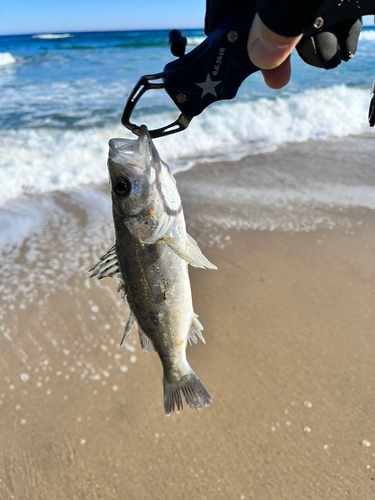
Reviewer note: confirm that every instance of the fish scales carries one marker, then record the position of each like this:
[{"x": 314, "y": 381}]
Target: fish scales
[
  {"x": 153, "y": 250},
  {"x": 150, "y": 271}
]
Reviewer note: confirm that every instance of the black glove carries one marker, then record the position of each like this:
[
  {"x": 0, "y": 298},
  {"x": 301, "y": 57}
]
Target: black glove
[
  {"x": 284, "y": 17},
  {"x": 325, "y": 49},
  {"x": 217, "y": 10}
]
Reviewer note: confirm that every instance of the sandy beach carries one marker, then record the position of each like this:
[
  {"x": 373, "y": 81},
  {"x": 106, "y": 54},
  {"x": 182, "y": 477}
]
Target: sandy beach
[{"x": 289, "y": 321}]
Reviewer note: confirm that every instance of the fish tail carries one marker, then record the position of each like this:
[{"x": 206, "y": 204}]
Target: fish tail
[{"x": 191, "y": 388}]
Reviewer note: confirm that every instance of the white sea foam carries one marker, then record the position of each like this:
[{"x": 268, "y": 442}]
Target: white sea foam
[
  {"x": 35, "y": 225},
  {"x": 52, "y": 36},
  {"x": 311, "y": 194},
  {"x": 22, "y": 217},
  {"x": 6, "y": 58},
  {"x": 41, "y": 160},
  {"x": 233, "y": 130},
  {"x": 367, "y": 35}
]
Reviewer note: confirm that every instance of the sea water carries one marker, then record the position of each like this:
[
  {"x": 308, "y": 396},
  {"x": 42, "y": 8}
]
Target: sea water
[{"x": 62, "y": 97}]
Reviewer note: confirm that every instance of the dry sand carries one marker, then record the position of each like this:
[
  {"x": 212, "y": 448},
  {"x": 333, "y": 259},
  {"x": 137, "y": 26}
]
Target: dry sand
[{"x": 289, "y": 323}]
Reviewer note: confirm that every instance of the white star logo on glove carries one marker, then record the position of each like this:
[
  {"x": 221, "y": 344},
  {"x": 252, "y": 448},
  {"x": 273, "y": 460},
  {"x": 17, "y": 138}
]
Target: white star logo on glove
[{"x": 208, "y": 86}]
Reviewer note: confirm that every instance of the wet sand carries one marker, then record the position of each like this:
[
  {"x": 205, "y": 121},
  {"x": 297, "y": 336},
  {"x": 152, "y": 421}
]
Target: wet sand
[{"x": 289, "y": 322}]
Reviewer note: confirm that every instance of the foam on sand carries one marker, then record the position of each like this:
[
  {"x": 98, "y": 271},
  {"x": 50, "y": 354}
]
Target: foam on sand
[{"x": 6, "y": 58}]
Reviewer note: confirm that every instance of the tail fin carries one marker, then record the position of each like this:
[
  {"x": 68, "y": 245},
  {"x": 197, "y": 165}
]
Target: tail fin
[{"x": 194, "y": 392}]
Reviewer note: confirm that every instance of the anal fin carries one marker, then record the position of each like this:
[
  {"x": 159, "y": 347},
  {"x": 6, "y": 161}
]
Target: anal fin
[{"x": 146, "y": 343}]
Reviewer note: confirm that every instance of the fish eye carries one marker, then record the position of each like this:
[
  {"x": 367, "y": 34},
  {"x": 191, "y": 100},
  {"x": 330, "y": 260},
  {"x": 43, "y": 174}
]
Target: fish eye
[{"x": 122, "y": 186}]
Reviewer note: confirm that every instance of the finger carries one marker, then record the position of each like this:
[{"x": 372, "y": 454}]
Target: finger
[
  {"x": 326, "y": 49},
  {"x": 321, "y": 50},
  {"x": 278, "y": 77},
  {"x": 348, "y": 33},
  {"x": 266, "y": 49}
]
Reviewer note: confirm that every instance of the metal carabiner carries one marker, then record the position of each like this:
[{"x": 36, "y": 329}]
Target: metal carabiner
[
  {"x": 213, "y": 71},
  {"x": 144, "y": 84}
]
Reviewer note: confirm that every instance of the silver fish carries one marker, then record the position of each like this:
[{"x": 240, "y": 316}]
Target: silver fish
[{"x": 150, "y": 259}]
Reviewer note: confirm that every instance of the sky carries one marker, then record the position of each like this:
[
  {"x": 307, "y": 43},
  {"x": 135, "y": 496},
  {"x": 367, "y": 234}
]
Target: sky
[
  {"x": 57, "y": 16},
  {"x": 61, "y": 16}
]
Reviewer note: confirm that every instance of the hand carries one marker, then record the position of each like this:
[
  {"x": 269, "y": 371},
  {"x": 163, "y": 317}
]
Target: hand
[
  {"x": 271, "y": 53},
  {"x": 326, "y": 49}
]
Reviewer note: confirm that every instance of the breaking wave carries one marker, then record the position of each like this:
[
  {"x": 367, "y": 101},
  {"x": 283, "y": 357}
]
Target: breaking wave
[
  {"x": 233, "y": 130},
  {"x": 195, "y": 40},
  {"x": 52, "y": 36},
  {"x": 367, "y": 35},
  {"x": 6, "y": 58},
  {"x": 42, "y": 159}
]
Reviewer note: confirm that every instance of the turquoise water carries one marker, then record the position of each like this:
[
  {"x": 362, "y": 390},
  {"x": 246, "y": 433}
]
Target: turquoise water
[{"x": 83, "y": 80}]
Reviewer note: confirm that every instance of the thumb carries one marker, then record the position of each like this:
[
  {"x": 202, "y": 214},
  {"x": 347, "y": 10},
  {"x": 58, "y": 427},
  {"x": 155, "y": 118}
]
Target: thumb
[{"x": 266, "y": 49}]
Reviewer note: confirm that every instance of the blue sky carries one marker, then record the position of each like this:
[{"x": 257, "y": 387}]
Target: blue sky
[{"x": 58, "y": 16}]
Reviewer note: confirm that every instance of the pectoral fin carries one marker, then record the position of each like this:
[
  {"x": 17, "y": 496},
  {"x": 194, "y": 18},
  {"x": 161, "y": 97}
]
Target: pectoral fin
[
  {"x": 196, "y": 254},
  {"x": 192, "y": 253}
]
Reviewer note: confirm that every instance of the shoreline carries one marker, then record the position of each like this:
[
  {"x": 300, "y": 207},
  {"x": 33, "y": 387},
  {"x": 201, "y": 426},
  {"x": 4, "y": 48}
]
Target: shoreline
[
  {"x": 289, "y": 322},
  {"x": 263, "y": 184}
]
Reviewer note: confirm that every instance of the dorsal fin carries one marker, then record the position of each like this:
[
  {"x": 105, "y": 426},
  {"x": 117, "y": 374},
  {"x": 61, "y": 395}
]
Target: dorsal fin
[{"x": 107, "y": 267}]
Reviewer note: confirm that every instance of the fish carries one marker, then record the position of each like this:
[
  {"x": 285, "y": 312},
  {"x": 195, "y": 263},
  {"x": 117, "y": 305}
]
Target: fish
[{"x": 150, "y": 259}]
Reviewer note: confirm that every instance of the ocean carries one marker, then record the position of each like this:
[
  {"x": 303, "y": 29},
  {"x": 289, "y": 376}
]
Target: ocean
[{"x": 62, "y": 96}]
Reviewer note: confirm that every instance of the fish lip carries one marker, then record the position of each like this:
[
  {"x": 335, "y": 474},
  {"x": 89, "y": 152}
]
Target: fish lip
[
  {"x": 144, "y": 133},
  {"x": 145, "y": 146}
]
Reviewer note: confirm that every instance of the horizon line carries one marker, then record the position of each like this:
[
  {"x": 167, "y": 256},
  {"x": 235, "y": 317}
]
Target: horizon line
[{"x": 63, "y": 32}]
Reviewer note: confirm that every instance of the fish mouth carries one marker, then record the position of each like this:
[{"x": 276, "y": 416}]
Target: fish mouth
[{"x": 132, "y": 151}]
